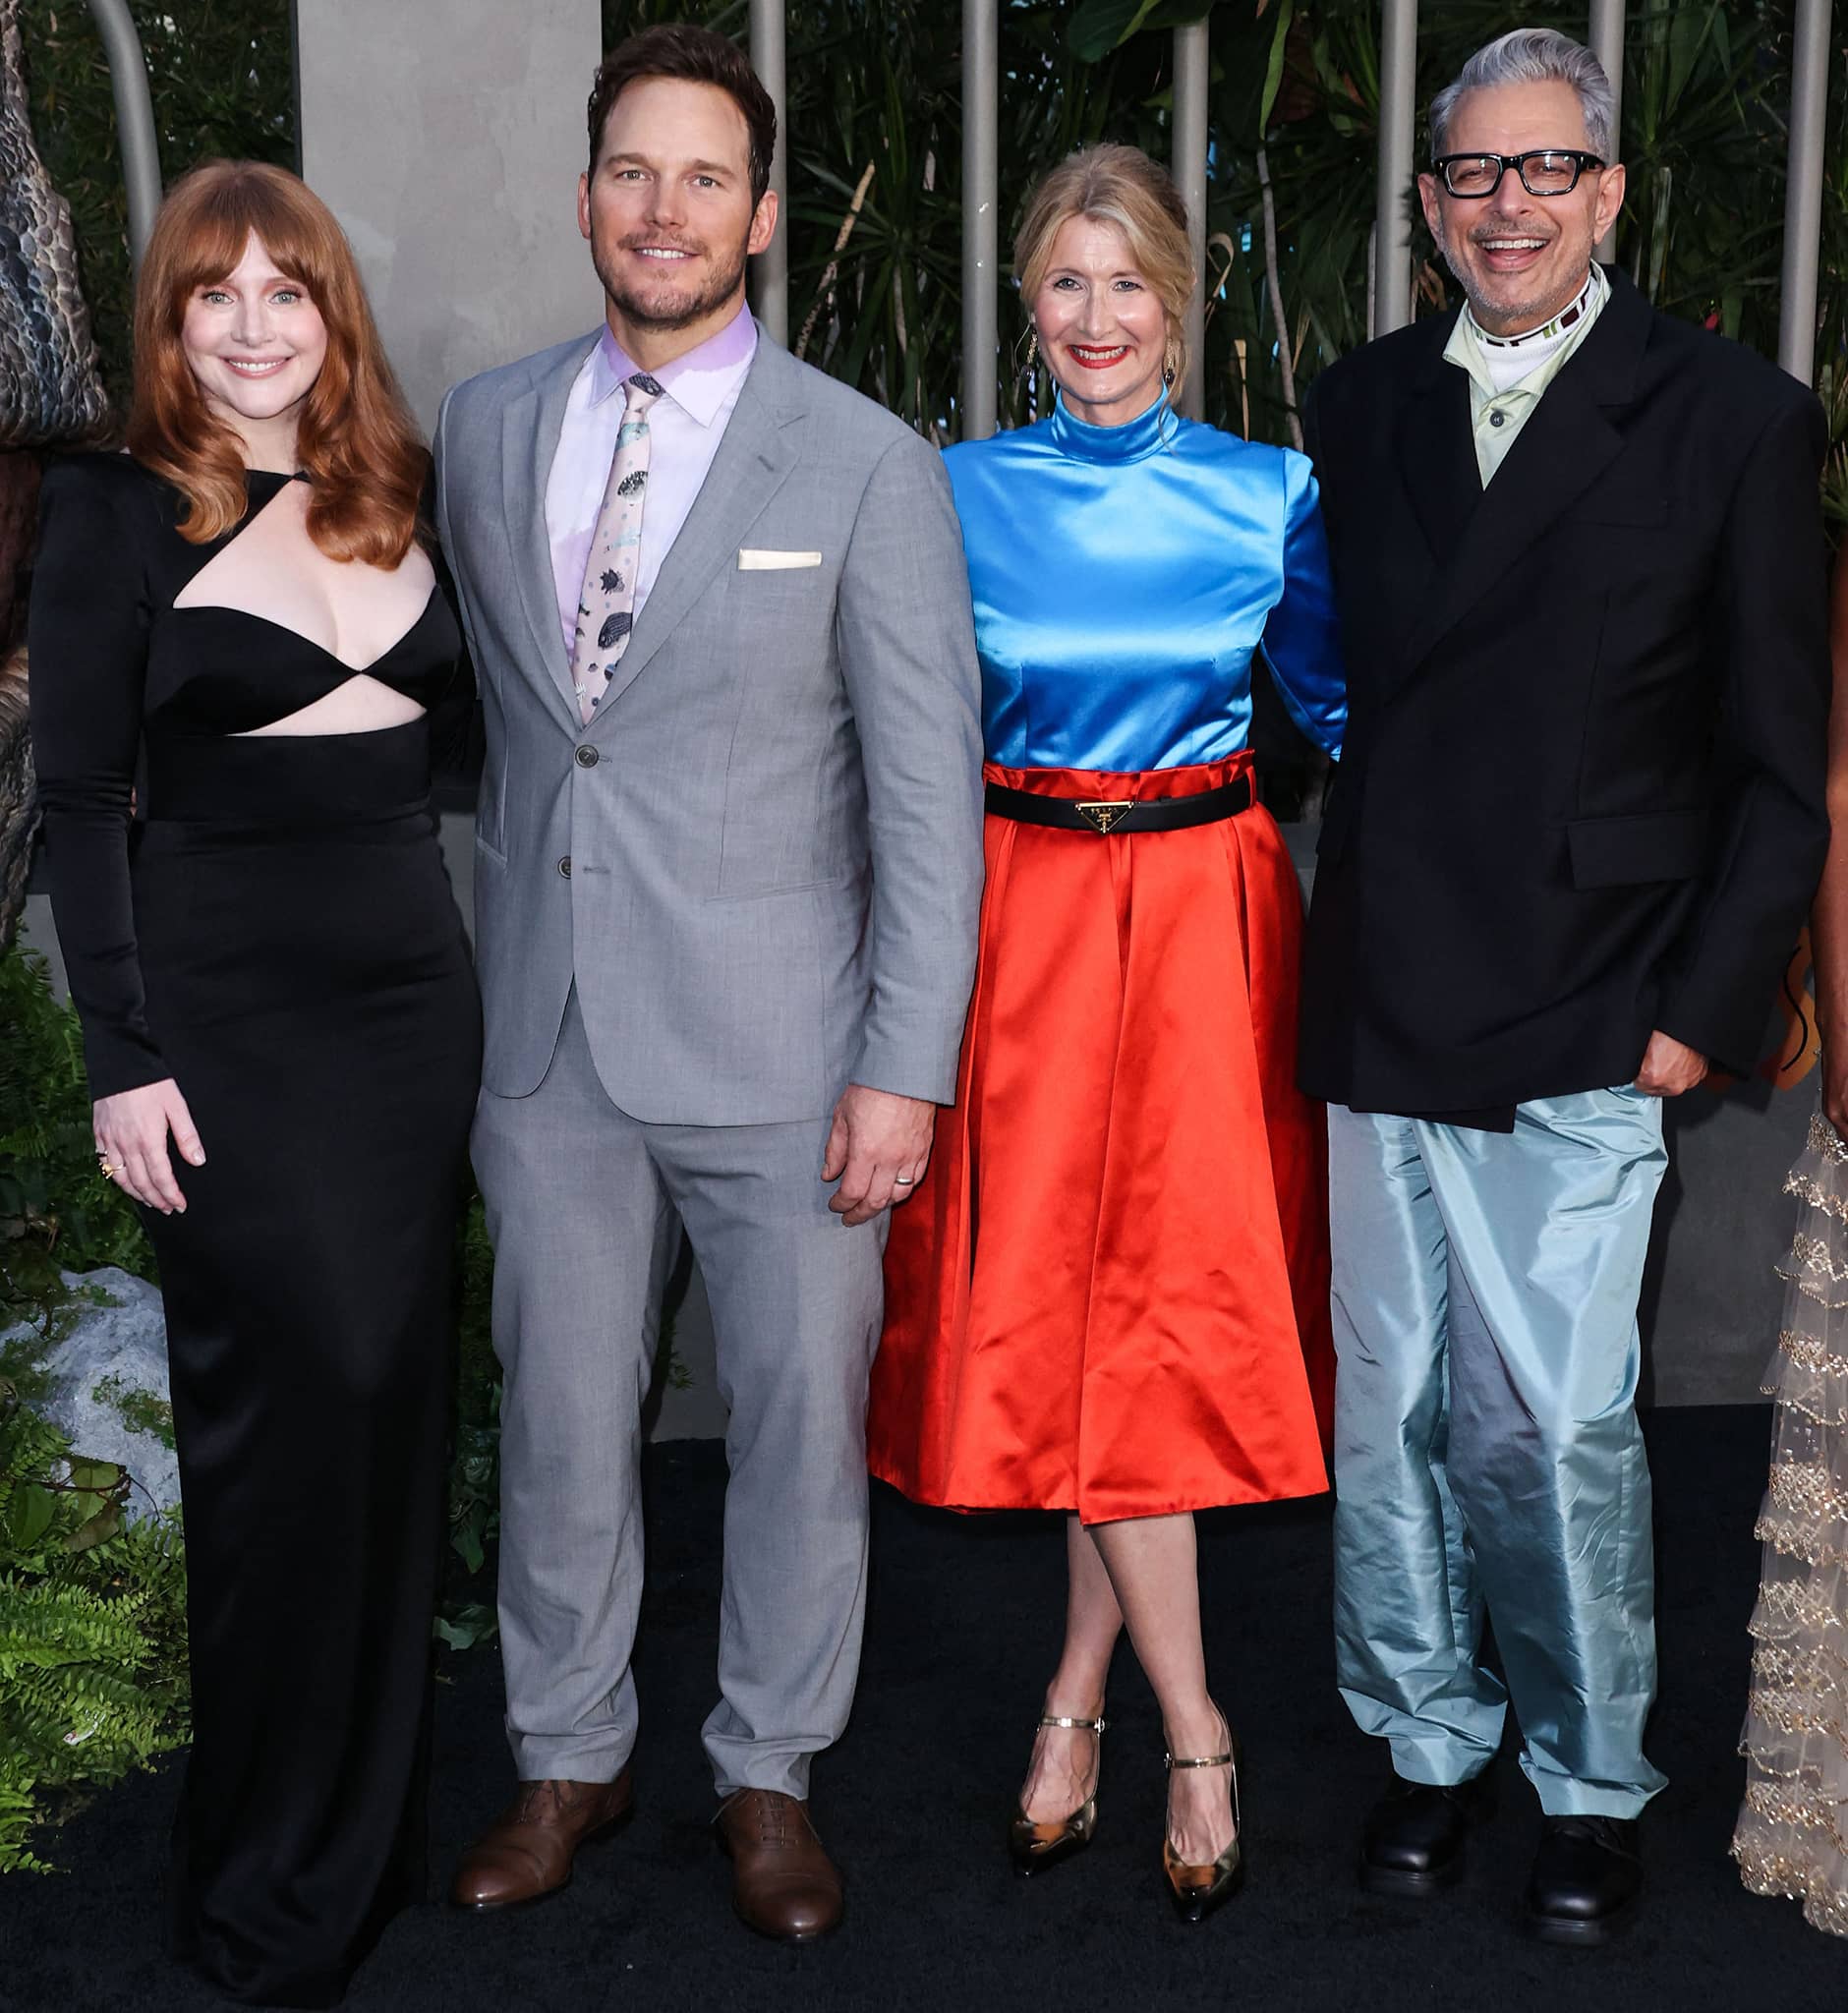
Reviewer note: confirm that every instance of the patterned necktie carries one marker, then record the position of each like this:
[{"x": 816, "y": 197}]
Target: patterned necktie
[{"x": 606, "y": 600}]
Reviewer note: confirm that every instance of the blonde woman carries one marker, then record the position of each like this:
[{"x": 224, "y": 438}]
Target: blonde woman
[{"x": 1110, "y": 1293}]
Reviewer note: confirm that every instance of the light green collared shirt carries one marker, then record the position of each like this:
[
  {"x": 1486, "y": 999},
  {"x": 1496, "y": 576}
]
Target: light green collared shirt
[{"x": 1497, "y": 415}]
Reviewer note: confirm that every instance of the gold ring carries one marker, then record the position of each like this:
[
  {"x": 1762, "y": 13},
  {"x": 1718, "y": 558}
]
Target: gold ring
[{"x": 108, "y": 1166}]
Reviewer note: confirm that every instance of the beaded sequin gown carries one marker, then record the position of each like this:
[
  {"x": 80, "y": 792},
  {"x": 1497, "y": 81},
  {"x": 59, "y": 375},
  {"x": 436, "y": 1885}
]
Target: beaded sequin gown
[{"x": 1792, "y": 1835}]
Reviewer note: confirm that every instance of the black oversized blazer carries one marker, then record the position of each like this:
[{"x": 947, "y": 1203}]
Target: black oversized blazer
[{"x": 1581, "y": 792}]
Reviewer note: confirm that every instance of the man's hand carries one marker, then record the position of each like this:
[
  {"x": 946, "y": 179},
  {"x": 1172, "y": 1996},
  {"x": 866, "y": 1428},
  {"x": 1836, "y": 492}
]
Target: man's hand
[
  {"x": 876, "y": 1138},
  {"x": 1669, "y": 1066},
  {"x": 131, "y": 1131}
]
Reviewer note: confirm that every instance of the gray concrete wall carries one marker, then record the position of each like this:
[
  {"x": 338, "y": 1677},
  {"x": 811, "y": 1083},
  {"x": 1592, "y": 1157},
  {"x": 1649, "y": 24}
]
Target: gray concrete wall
[{"x": 447, "y": 135}]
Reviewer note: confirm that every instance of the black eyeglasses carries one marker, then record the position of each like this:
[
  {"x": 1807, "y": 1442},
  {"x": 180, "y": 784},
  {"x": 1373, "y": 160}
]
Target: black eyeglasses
[{"x": 1545, "y": 171}]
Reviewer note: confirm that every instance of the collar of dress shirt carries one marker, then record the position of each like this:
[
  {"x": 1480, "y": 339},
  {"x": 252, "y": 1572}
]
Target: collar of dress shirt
[
  {"x": 699, "y": 382},
  {"x": 1529, "y": 362}
]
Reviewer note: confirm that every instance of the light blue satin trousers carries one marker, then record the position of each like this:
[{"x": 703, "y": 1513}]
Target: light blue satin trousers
[{"x": 1487, "y": 1455}]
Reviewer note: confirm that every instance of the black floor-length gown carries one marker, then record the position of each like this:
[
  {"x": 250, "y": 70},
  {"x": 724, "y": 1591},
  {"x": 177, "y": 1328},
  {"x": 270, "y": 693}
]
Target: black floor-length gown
[{"x": 276, "y": 933}]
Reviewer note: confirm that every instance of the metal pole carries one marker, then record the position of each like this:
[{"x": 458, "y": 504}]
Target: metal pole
[
  {"x": 135, "y": 119},
  {"x": 771, "y": 276},
  {"x": 1607, "y": 45},
  {"x": 1189, "y": 163},
  {"x": 1803, "y": 204},
  {"x": 1392, "y": 223},
  {"x": 981, "y": 118}
]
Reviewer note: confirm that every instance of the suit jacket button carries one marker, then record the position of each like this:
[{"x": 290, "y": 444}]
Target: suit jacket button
[
  {"x": 587, "y": 757},
  {"x": 564, "y": 866}
]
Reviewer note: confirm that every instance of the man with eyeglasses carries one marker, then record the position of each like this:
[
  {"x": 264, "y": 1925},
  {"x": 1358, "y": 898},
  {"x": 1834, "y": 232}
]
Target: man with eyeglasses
[{"x": 1578, "y": 817}]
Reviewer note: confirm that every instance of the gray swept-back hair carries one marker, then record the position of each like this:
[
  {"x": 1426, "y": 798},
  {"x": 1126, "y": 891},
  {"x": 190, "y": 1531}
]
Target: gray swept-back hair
[{"x": 1535, "y": 55}]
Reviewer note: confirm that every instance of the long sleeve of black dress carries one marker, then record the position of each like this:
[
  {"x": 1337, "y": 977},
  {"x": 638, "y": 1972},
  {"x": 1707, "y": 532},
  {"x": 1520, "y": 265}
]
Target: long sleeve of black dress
[{"x": 87, "y": 639}]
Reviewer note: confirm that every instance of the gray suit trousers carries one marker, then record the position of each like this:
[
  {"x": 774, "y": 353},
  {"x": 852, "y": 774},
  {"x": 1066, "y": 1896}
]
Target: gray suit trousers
[{"x": 581, "y": 1200}]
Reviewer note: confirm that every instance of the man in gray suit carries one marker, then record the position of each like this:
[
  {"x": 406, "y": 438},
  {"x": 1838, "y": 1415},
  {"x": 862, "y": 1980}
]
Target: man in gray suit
[{"x": 728, "y": 872}]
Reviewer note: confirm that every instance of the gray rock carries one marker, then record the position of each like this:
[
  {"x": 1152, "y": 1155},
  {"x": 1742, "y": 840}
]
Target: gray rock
[{"x": 109, "y": 1383}]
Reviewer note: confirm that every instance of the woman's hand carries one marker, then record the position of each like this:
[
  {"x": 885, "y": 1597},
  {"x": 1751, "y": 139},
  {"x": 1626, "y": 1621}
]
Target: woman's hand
[
  {"x": 132, "y": 1130},
  {"x": 1835, "y": 1084}
]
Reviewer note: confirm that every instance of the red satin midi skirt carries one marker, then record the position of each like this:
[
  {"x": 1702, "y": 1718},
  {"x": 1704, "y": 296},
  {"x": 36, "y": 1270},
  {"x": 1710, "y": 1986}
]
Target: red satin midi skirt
[{"x": 1109, "y": 1294}]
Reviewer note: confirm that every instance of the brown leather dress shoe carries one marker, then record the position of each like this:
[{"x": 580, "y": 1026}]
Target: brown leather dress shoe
[
  {"x": 526, "y": 1853},
  {"x": 783, "y": 1883}
]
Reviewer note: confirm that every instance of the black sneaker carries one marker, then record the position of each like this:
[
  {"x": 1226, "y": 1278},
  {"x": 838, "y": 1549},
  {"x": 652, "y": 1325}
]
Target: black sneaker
[
  {"x": 1588, "y": 1875},
  {"x": 1413, "y": 1841}
]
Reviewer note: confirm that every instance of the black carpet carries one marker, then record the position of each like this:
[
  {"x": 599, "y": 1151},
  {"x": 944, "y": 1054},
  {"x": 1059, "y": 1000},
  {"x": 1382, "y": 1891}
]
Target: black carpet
[{"x": 961, "y": 1635}]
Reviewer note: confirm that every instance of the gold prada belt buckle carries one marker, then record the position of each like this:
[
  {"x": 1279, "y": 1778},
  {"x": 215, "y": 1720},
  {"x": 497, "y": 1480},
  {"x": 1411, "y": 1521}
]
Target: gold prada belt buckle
[{"x": 1104, "y": 816}]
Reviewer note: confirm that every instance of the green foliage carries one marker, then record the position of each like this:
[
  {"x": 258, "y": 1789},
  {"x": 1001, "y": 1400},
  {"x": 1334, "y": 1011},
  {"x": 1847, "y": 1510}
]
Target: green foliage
[
  {"x": 875, "y": 110},
  {"x": 875, "y": 84},
  {"x": 474, "y": 1492},
  {"x": 93, "y": 1628},
  {"x": 57, "y": 1212},
  {"x": 478, "y": 1384},
  {"x": 140, "y": 1410},
  {"x": 221, "y": 77}
]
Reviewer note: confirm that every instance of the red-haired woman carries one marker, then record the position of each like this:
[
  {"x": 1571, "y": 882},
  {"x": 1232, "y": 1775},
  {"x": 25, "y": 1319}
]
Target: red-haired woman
[{"x": 282, "y": 1034}]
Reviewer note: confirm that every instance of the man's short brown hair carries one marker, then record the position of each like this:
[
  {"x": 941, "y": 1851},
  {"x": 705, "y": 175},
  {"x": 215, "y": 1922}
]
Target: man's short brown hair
[{"x": 694, "y": 55}]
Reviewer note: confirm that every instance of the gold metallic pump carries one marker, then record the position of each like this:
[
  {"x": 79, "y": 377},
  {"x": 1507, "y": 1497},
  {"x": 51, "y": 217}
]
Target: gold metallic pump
[
  {"x": 1033, "y": 1846},
  {"x": 1197, "y": 1891}
]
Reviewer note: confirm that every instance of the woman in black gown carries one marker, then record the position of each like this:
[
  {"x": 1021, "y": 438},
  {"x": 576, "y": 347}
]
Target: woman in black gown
[{"x": 273, "y": 975}]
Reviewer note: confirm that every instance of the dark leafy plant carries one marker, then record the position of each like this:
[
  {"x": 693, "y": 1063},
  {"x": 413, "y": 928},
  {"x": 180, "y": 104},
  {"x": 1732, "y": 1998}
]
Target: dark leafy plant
[
  {"x": 57, "y": 1212},
  {"x": 93, "y": 1676},
  {"x": 221, "y": 77},
  {"x": 874, "y": 138},
  {"x": 874, "y": 114}
]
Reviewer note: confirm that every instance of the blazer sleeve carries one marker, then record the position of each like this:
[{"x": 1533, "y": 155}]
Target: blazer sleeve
[
  {"x": 906, "y": 639},
  {"x": 87, "y": 639},
  {"x": 1772, "y": 831}
]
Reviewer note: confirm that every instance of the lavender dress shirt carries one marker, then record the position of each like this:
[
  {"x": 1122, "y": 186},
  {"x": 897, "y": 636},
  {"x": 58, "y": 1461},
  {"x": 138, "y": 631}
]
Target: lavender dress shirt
[{"x": 686, "y": 425}]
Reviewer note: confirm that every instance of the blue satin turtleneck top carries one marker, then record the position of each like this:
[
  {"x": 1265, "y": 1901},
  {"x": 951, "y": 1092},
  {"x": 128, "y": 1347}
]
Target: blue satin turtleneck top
[{"x": 1124, "y": 577}]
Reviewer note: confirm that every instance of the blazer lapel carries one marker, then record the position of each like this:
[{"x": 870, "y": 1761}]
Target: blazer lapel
[
  {"x": 1437, "y": 456},
  {"x": 530, "y": 426},
  {"x": 1566, "y": 444},
  {"x": 1437, "y": 464},
  {"x": 753, "y": 461}
]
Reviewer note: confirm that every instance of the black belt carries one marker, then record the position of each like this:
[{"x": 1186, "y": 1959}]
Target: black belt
[{"x": 1122, "y": 814}]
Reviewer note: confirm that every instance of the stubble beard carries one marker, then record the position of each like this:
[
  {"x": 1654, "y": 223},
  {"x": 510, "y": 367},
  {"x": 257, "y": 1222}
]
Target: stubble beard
[
  {"x": 671, "y": 312},
  {"x": 1516, "y": 315}
]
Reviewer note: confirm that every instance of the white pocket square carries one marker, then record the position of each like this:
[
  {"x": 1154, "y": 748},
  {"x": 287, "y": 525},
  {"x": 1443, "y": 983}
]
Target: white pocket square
[{"x": 753, "y": 559}]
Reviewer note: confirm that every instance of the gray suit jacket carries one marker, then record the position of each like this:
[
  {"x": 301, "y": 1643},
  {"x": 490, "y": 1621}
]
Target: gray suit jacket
[{"x": 762, "y": 862}]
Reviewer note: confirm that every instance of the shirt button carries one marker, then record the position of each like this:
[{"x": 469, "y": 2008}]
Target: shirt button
[
  {"x": 1494, "y": 420},
  {"x": 564, "y": 866},
  {"x": 587, "y": 757}
]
